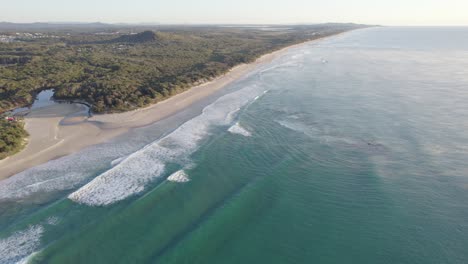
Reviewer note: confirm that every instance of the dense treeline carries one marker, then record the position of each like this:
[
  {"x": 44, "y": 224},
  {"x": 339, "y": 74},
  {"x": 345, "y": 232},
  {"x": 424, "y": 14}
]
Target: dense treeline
[
  {"x": 6, "y": 60},
  {"x": 12, "y": 136},
  {"x": 119, "y": 72}
]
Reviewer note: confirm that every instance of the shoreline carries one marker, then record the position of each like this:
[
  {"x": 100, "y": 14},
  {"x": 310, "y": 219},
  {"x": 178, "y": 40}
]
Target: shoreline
[{"x": 62, "y": 129}]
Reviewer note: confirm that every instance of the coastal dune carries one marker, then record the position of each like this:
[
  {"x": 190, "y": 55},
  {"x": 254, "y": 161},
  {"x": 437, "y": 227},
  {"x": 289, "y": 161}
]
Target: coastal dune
[{"x": 62, "y": 129}]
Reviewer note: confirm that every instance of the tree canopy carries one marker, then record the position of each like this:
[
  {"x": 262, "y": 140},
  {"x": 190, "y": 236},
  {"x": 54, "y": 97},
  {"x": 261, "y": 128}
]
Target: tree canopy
[
  {"x": 12, "y": 137},
  {"x": 118, "y": 70}
]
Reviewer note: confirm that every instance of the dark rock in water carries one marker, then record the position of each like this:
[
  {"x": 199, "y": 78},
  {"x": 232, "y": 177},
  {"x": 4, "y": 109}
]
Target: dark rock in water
[
  {"x": 369, "y": 147},
  {"x": 376, "y": 147}
]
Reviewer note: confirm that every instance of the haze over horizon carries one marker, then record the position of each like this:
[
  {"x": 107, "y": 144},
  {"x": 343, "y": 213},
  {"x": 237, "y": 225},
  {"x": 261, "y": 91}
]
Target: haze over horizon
[{"x": 397, "y": 12}]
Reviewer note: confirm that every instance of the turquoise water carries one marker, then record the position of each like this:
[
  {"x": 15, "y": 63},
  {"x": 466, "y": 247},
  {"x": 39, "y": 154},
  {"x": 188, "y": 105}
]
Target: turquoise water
[{"x": 353, "y": 149}]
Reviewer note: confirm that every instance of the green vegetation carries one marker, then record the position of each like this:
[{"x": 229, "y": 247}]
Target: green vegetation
[
  {"x": 12, "y": 137},
  {"x": 115, "y": 71}
]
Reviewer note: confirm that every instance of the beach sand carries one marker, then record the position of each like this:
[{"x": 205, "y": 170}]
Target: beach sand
[{"x": 62, "y": 129}]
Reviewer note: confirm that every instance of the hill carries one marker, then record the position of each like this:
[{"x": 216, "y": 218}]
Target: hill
[{"x": 145, "y": 36}]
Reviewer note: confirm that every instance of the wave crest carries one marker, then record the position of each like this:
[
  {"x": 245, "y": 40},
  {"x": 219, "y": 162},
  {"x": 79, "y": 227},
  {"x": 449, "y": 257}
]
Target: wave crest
[
  {"x": 130, "y": 176},
  {"x": 179, "y": 176},
  {"x": 17, "y": 247},
  {"x": 238, "y": 129}
]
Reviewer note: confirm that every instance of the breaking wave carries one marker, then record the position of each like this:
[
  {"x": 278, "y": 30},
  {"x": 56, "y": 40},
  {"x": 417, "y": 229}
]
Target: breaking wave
[
  {"x": 117, "y": 161},
  {"x": 179, "y": 176},
  {"x": 20, "y": 245},
  {"x": 131, "y": 175},
  {"x": 62, "y": 174},
  {"x": 238, "y": 129}
]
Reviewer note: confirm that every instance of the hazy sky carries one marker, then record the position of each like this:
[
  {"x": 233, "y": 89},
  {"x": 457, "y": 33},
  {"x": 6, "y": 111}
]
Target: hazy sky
[{"x": 385, "y": 12}]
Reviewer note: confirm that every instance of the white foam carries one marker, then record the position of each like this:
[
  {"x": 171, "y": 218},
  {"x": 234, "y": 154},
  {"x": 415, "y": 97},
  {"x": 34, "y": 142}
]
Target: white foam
[
  {"x": 238, "y": 129},
  {"x": 53, "y": 220},
  {"x": 62, "y": 174},
  {"x": 314, "y": 132},
  {"x": 131, "y": 175},
  {"x": 179, "y": 176},
  {"x": 17, "y": 247},
  {"x": 294, "y": 125},
  {"x": 231, "y": 116},
  {"x": 258, "y": 96},
  {"x": 117, "y": 161}
]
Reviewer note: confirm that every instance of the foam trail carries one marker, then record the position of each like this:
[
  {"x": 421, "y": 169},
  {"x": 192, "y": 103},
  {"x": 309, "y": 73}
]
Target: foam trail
[
  {"x": 231, "y": 116},
  {"x": 20, "y": 245},
  {"x": 238, "y": 129},
  {"x": 62, "y": 174},
  {"x": 117, "y": 161},
  {"x": 116, "y": 182},
  {"x": 27, "y": 259},
  {"x": 179, "y": 176},
  {"x": 315, "y": 133},
  {"x": 131, "y": 175},
  {"x": 53, "y": 220}
]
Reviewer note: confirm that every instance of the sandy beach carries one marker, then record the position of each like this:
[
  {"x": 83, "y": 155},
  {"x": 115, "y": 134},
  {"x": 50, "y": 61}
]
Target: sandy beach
[{"x": 62, "y": 129}]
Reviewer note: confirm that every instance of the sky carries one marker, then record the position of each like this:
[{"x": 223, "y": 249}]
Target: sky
[{"x": 381, "y": 12}]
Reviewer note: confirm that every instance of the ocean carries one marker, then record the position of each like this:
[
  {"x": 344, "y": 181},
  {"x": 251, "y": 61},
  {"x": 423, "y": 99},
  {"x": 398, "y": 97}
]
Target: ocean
[{"x": 351, "y": 149}]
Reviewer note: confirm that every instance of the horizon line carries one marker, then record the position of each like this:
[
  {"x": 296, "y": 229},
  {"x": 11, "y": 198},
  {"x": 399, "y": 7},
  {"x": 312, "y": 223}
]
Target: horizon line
[{"x": 225, "y": 23}]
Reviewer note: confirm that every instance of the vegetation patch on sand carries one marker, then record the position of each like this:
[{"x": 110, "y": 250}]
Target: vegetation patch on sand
[{"x": 12, "y": 137}]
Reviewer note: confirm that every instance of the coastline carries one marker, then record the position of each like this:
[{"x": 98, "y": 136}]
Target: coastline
[{"x": 63, "y": 129}]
